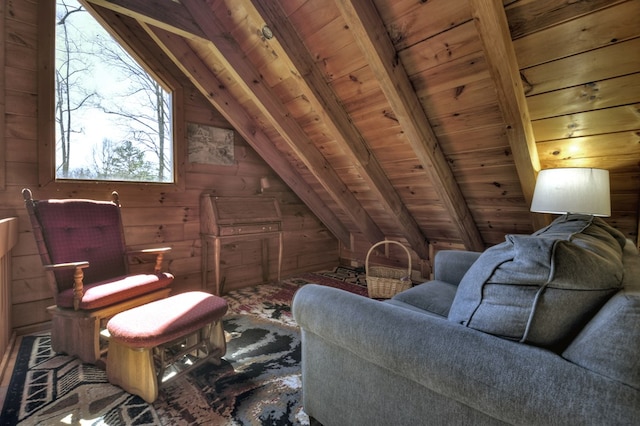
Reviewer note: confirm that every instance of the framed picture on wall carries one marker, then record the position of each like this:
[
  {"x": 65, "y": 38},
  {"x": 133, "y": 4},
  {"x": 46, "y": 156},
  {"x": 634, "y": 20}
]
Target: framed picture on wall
[{"x": 210, "y": 145}]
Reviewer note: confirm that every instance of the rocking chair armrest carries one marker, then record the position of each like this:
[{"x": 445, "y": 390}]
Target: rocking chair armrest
[
  {"x": 156, "y": 250},
  {"x": 78, "y": 276},
  {"x": 159, "y": 252},
  {"x": 68, "y": 265}
]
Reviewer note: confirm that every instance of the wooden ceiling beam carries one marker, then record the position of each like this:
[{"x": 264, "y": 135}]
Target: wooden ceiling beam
[
  {"x": 288, "y": 46},
  {"x": 214, "y": 90},
  {"x": 168, "y": 15},
  {"x": 370, "y": 32},
  {"x": 121, "y": 29},
  {"x": 227, "y": 50},
  {"x": 491, "y": 22}
]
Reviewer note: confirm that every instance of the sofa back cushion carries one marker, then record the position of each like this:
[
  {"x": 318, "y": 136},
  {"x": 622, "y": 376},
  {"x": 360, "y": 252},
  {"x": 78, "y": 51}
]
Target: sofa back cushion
[
  {"x": 609, "y": 343},
  {"x": 542, "y": 288}
]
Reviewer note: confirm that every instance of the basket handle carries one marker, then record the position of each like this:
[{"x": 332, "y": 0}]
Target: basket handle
[{"x": 366, "y": 262}]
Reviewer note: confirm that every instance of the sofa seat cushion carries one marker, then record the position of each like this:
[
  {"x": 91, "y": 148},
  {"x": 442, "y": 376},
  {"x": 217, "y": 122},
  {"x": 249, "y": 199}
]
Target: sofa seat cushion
[
  {"x": 105, "y": 293},
  {"x": 609, "y": 343},
  {"x": 434, "y": 296},
  {"x": 542, "y": 288}
]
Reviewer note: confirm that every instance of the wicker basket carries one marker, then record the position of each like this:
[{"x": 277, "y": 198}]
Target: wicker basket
[{"x": 384, "y": 282}]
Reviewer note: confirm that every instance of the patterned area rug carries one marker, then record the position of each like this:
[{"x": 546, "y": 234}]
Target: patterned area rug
[
  {"x": 349, "y": 279},
  {"x": 258, "y": 382},
  {"x": 48, "y": 389}
]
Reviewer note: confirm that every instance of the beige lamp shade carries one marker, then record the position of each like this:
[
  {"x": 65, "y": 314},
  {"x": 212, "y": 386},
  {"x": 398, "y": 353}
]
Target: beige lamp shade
[{"x": 572, "y": 190}]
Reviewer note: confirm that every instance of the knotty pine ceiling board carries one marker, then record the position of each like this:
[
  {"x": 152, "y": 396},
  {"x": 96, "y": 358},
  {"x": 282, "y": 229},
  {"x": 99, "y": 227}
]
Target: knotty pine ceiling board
[
  {"x": 383, "y": 133},
  {"x": 340, "y": 63},
  {"x": 287, "y": 90},
  {"x": 599, "y": 64},
  {"x": 480, "y": 159},
  {"x": 311, "y": 16},
  {"x": 416, "y": 189},
  {"x": 454, "y": 75},
  {"x": 607, "y": 26},
  {"x": 373, "y": 102},
  {"x": 306, "y": 116},
  {"x": 445, "y": 47},
  {"x": 497, "y": 214},
  {"x": 378, "y": 117},
  {"x": 333, "y": 37},
  {"x": 594, "y": 95},
  {"x": 389, "y": 152},
  {"x": 472, "y": 140},
  {"x": 493, "y": 227},
  {"x": 301, "y": 109},
  {"x": 613, "y": 163},
  {"x": 405, "y": 168},
  {"x": 526, "y": 17},
  {"x": 494, "y": 178},
  {"x": 610, "y": 120},
  {"x": 623, "y": 146},
  {"x": 410, "y": 22},
  {"x": 354, "y": 86},
  {"x": 490, "y": 187},
  {"x": 470, "y": 119},
  {"x": 450, "y": 101}
]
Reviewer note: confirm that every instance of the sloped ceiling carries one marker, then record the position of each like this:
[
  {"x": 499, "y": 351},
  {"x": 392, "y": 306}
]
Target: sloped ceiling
[{"x": 424, "y": 121}]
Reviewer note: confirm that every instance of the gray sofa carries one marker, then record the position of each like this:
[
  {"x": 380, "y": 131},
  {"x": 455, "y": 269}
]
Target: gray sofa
[{"x": 541, "y": 329}]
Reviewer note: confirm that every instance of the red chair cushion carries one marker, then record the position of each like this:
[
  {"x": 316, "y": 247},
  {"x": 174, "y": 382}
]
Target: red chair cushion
[
  {"x": 109, "y": 292},
  {"x": 83, "y": 230},
  {"x": 167, "y": 319}
]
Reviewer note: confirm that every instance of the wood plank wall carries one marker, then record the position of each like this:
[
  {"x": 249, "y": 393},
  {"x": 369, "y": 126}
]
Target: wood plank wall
[
  {"x": 8, "y": 239},
  {"x": 151, "y": 216}
]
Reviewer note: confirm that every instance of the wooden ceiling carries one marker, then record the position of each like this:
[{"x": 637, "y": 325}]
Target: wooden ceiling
[{"x": 424, "y": 121}]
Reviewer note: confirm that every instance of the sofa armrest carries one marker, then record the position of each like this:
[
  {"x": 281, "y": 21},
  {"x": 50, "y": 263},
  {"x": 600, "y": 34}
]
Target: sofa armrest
[
  {"x": 510, "y": 381},
  {"x": 451, "y": 265}
]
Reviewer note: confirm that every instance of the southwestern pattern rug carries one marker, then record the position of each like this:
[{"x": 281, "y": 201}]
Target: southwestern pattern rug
[{"x": 258, "y": 382}]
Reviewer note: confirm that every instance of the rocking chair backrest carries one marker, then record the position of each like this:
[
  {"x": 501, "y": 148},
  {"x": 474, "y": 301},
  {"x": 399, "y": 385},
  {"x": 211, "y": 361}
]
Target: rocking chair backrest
[{"x": 74, "y": 230}]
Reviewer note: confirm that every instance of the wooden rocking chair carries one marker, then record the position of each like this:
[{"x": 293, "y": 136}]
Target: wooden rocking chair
[{"x": 81, "y": 244}]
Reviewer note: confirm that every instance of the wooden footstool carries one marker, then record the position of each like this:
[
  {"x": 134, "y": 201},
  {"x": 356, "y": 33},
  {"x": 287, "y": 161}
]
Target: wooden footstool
[{"x": 179, "y": 332}]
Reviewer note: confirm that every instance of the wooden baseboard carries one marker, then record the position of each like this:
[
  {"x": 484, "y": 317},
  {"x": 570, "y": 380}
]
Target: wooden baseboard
[
  {"x": 33, "y": 328},
  {"x": 6, "y": 357}
]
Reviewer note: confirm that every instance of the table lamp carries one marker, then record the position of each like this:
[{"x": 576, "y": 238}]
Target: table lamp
[{"x": 572, "y": 190}]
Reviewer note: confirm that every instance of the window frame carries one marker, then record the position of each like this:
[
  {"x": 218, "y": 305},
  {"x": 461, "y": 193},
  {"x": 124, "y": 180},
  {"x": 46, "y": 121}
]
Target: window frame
[{"x": 46, "y": 112}]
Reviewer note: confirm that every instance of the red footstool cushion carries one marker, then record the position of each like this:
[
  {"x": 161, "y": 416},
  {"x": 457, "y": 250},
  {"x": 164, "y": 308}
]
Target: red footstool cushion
[{"x": 167, "y": 319}]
